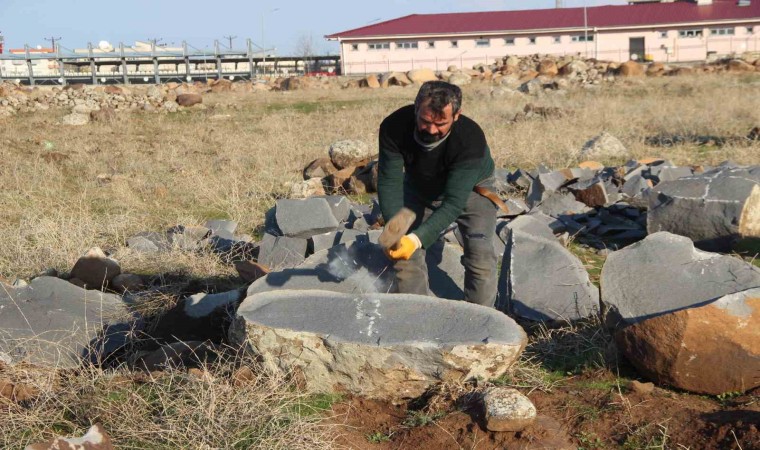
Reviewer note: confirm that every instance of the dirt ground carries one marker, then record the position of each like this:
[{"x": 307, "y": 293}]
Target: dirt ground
[{"x": 592, "y": 411}]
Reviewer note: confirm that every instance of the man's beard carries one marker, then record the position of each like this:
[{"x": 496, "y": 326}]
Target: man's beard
[{"x": 428, "y": 138}]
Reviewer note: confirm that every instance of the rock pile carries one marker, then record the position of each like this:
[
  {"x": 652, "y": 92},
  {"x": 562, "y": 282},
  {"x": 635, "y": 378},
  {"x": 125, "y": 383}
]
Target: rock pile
[
  {"x": 350, "y": 169},
  {"x": 534, "y": 74}
]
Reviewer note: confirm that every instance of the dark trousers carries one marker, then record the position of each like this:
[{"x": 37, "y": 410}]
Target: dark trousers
[{"x": 477, "y": 224}]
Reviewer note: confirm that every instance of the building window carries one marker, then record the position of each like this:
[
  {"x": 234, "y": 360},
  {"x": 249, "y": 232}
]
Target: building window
[
  {"x": 407, "y": 45},
  {"x": 532, "y": 40},
  {"x": 454, "y": 44},
  {"x": 750, "y": 30},
  {"x": 557, "y": 39},
  {"x": 722, "y": 32},
  {"x": 379, "y": 46},
  {"x": 583, "y": 38},
  {"x": 663, "y": 34},
  {"x": 689, "y": 33},
  {"x": 431, "y": 44},
  {"x": 509, "y": 41},
  {"x": 482, "y": 42},
  {"x": 354, "y": 47}
]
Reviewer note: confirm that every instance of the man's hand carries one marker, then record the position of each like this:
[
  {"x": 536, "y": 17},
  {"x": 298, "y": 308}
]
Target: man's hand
[{"x": 405, "y": 248}]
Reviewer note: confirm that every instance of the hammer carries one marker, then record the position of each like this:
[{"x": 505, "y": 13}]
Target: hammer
[{"x": 396, "y": 228}]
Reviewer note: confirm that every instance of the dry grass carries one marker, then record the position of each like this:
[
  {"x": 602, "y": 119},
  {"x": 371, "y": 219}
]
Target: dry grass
[
  {"x": 189, "y": 167},
  {"x": 204, "y": 409}
]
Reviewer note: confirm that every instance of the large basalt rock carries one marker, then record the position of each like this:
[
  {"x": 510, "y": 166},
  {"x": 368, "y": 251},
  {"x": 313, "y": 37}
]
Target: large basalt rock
[
  {"x": 541, "y": 280},
  {"x": 376, "y": 345},
  {"x": 710, "y": 349},
  {"x": 717, "y": 209},
  {"x": 665, "y": 273},
  {"x": 361, "y": 267},
  {"x": 51, "y": 322}
]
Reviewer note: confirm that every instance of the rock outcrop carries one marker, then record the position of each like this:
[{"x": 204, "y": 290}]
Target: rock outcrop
[{"x": 375, "y": 345}]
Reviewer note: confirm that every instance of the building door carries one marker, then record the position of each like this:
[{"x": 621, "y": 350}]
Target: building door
[{"x": 636, "y": 49}]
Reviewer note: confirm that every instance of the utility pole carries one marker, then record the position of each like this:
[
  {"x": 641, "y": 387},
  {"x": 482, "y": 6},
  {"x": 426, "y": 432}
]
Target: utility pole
[
  {"x": 229, "y": 38},
  {"x": 155, "y": 41},
  {"x": 52, "y": 41}
]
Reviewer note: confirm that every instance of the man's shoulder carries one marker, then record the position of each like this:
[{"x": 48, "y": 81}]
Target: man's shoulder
[
  {"x": 403, "y": 115},
  {"x": 468, "y": 126}
]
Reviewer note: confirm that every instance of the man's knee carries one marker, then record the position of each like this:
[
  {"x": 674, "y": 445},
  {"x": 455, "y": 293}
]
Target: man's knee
[{"x": 479, "y": 254}]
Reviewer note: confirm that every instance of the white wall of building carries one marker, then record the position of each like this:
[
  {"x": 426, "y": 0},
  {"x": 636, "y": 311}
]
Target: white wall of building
[{"x": 671, "y": 44}]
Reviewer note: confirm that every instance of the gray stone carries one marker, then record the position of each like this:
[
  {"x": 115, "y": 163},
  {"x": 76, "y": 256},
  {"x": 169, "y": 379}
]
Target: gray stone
[
  {"x": 201, "y": 317},
  {"x": 339, "y": 205},
  {"x": 715, "y": 210},
  {"x": 604, "y": 146},
  {"x": 506, "y": 409},
  {"x": 674, "y": 173},
  {"x": 148, "y": 242},
  {"x": 304, "y": 218},
  {"x": 516, "y": 207},
  {"x": 53, "y": 323},
  {"x": 553, "y": 181},
  {"x": 528, "y": 224},
  {"x": 554, "y": 224},
  {"x": 358, "y": 220},
  {"x": 374, "y": 236},
  {"x": 280, "y": 252},
  {"x": 323, "y": 241},
  {"x": 665, "y": 273},
  {"x": 222, "y": 228},
  {"x": 542, "y": 281},
  {"x": 638, "y": 188},
  {"x": 376, "y": 345},
  {"x": 520, "y": 179},
  {"x": 559, "y": 204},
  {"x": 362, "y": 267},
  {"x": 349, "y": 236},
  {"x": 187, "y": 237}
]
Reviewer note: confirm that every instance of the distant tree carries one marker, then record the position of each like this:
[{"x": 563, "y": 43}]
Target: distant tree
[{"x": 305, "y": 47}]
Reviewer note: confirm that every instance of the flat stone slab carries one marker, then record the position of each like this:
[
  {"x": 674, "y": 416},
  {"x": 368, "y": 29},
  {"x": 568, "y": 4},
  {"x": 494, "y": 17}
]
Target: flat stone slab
[
  {"x": 362, "y": 267},
  {"x": 709, "y": 349},
  {"x": 665, "y": 273},
  {"x": 716, "y": 210},
  {"x": 51, "y": 322},
  {"x": 375, "y": 345},
  {"x": 304, "y": 218},
  {"x": 540, "y": 279},
  {"x": 279, "y": 252}
]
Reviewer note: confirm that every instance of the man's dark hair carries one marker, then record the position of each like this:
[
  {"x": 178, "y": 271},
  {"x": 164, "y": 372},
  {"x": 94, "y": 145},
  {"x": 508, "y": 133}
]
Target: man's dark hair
[{"x": 440, "y": 94}]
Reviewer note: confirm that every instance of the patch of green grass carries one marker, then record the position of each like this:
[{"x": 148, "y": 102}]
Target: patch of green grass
[
  {"x": 316, "y": 404},
  {"x": 590, "y": 259},
  {"x": 308, "y": 107},
  {"x": 378, "y": 437},
  {"x": 421, "y": 419},
  {"x": 589, "y": 441}
]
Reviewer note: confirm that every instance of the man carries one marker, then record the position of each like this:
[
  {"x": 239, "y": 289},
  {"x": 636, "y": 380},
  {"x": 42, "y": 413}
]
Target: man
[{"x": 431, "y": 160}]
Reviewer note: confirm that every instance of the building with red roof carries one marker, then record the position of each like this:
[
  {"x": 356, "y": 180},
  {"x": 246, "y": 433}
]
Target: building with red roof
[{"x": 666, "y": 30}]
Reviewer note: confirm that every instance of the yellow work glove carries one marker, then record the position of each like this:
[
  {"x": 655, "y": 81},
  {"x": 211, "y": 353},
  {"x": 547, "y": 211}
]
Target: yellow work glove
[{"x": 405, "y": 248}]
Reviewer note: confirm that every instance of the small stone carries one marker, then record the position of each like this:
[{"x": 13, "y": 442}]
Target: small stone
[
  {"x": 349, "y": 153},
  {"x": 95, "y": 439},
  {"x": 250, "y": 271},
  {"x": 127, "y": 282},
  {"x": 95, "y": 269},
  {"x": 641, "y": 388},
  {"x": 76, "y": 119},
  {"x": 189, "y": 99},
  {"x": 506, "y": 409},
  {"x": 304, "y": 218}
]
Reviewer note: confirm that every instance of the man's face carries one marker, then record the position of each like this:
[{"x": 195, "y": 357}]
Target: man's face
[{"x": 433, "y": 127}]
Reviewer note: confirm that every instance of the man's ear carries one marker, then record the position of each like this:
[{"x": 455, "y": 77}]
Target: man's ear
[{"x": 456, "y": 116}]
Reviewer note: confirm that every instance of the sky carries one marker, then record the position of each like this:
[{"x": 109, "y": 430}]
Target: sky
[{"x": 286, "y": 26}]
